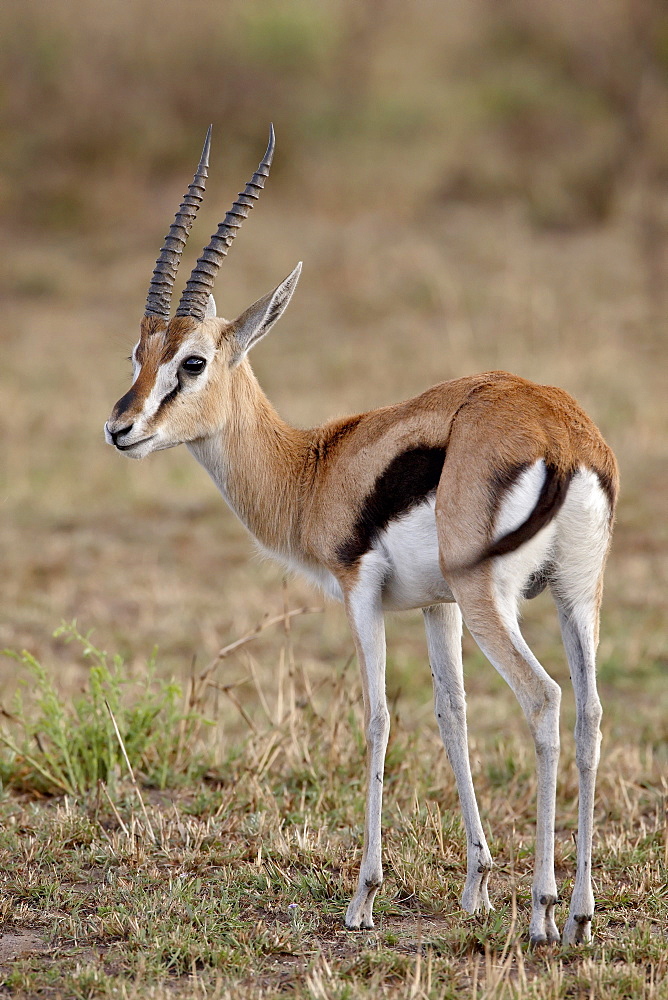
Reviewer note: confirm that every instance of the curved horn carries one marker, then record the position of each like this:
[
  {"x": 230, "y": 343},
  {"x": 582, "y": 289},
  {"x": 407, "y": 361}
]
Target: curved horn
[
  {"x": 167, "y": 264},
  {"x": 200, "y": 284}
]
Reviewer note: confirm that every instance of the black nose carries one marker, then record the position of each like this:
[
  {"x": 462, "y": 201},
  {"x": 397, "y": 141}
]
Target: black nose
[{"x": 115, "y": 435}]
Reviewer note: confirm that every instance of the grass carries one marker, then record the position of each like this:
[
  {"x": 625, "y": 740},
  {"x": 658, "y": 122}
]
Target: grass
[
  {"x": 471, "y": 186},
  {"x": 236, "y": 884},
  {"x": 147, "y": 556},
  {"x": 72, "y": 747}
]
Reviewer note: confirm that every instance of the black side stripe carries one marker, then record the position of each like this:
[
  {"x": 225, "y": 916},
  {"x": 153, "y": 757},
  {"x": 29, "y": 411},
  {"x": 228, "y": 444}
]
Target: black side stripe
[
  {"x": 404, "y": 483},
  {"x": 552, "y": 495}
]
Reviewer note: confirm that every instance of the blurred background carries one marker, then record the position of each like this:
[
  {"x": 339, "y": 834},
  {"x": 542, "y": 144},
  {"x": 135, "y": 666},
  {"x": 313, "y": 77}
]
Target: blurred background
[{"x": 472, "y": 184}]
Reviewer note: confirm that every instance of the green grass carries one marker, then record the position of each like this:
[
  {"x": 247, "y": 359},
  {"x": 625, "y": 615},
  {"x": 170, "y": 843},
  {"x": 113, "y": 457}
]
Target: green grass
[{"x": 71, "y": 746}]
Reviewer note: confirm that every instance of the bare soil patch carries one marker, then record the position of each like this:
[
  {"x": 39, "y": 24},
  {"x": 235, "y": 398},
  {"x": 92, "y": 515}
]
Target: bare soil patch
[{"x": 20, "y": 944}]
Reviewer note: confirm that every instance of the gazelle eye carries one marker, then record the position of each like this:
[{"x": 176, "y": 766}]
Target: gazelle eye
[{"x": 193, "y": 365}]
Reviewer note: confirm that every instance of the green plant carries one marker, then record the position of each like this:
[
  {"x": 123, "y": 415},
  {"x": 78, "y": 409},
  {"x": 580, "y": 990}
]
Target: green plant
[{"x": 60, "y": 745}]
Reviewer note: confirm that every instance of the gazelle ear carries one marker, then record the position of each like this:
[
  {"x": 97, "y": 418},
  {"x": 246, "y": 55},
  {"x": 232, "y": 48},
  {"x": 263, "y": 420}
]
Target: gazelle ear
[
  {"x": 259, "y": 318},
  {"x": 210, "y": 311}
]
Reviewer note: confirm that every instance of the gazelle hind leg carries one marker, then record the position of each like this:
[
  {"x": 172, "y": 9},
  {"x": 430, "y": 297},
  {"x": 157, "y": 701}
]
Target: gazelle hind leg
[
  {"x": 493, "y": 624},
  {"x": 582, "y": 543},
  {"x": 443, "y": 625},
  {"x": 578, "y": 631}
]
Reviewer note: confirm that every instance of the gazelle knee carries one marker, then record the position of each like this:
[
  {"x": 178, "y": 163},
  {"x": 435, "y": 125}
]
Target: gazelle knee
[
  {"x": 450, "y": 707},
  {"x": 543, "y": 717},
  {"x": 588, "y": 734},
  {"x": 378, "y": 727}
]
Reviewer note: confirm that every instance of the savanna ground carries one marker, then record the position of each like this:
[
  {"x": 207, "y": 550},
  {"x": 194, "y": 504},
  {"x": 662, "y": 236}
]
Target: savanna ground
[{"x": 471, "y": 186}]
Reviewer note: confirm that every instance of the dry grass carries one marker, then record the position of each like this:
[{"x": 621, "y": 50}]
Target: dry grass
[
  {"x": 437, "y": 241},
  {"x": 236, "y": 886}
]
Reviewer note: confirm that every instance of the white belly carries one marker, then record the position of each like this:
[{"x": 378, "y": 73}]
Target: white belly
[
  {"x": 409, "y": 547},
  {"x": 406, "y": 554}
]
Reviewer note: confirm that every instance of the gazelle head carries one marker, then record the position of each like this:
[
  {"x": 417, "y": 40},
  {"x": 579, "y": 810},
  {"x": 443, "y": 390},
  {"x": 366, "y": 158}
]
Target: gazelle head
[{"x": 183, "y": 366}]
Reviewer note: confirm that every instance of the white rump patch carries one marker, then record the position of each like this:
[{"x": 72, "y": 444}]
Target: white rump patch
[
  {"x": 583, "y": 536},
  {"x": 511, "y": 572},
  {"x": 520, "y": 499}
]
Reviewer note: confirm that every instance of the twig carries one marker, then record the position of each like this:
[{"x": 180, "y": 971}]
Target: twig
[
  {"x": 253, "y": 634},
  {"x": 227, "y": 689},
  {"x": 114, "y": 809},
  {"x": 131, "y": 772},
  {"x": 59, "y": 783},
  {"x": 258, "y": 688},
  {"x": 289, "y": 651}
]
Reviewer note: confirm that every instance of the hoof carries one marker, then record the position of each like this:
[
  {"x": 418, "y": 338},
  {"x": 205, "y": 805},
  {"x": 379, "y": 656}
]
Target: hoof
[
  {"x": 359, "y": 915},
  {"x": 542, "y": 929},
  {"x": 363, "y": 925},
  {"x": 475, "y": 898},
  {"x": 578, "y": 929},
  {"x": 551, "y": 936}
]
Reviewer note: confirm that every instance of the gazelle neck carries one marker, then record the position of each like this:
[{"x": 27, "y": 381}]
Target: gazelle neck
[{"x": 258, "y": 463}]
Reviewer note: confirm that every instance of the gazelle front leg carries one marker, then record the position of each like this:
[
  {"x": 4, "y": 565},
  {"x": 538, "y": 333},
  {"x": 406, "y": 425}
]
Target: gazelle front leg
[
  {"x": 443, "y": 625},
  {"x": 365, "y": 616}
]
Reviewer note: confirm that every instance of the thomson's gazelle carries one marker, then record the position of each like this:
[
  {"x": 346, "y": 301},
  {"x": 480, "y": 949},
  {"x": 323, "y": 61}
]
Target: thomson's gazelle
[{"x": 462, "y": 501}]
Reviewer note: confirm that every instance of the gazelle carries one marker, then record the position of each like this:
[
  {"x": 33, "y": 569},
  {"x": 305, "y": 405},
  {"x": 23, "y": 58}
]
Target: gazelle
[{"x": 462, "y": 501}]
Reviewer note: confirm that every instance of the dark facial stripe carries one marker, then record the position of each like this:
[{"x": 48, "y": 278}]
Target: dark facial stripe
[
  {"x": 134, "y": 399},
  {"x": 551, "y": 497},
  {"x": 126, "y": 402},
  {"x": 405, "y": 483},
  {"x": 167, "y": 399}
]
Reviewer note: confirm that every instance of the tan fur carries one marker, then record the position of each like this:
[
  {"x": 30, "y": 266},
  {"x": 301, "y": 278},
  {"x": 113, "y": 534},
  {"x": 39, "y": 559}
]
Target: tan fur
[
  {"x": 178, "y": 329},
  {"x": 505, "y": 421},
  {"x": 300, "y": 491},
  {"x": 318, "y": 479}
]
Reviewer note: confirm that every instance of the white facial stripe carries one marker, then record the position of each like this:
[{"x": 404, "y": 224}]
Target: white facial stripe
[
  {"x": 136, "y": 367},
  {"x": 167, "y": 381}
]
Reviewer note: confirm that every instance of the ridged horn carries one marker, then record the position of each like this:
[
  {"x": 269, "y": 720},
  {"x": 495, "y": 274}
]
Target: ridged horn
[
  {"x": 167, "y": 264},
  {"x": 200, "y": 284}
]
